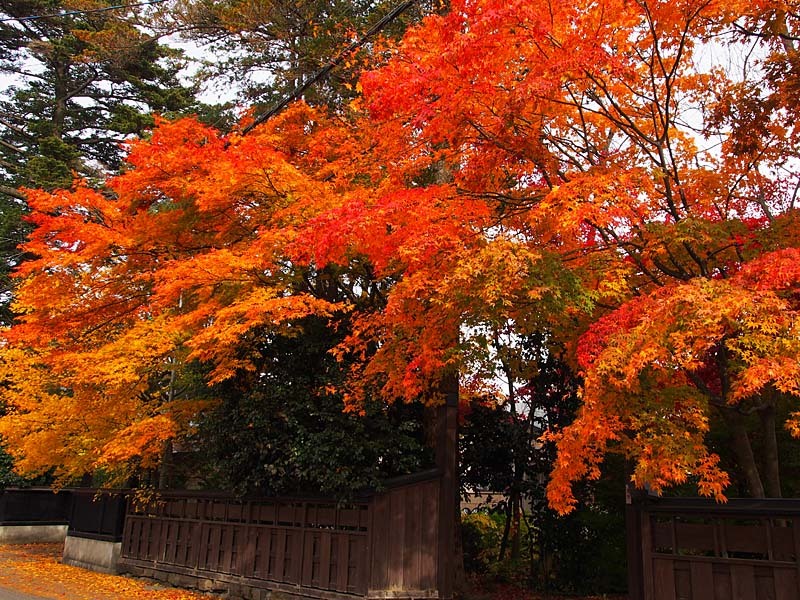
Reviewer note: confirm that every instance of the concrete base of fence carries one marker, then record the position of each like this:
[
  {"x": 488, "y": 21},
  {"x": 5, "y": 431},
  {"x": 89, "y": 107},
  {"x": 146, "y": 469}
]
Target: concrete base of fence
[
  {"x": 211, "y": 583},
  {"x": 32, "y": 534},
  {"x": 245, "y": 588},
  {"x": 95, "y": 555}
]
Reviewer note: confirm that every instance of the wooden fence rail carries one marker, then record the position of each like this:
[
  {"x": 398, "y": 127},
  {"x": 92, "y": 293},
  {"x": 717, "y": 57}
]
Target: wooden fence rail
[
  {"x": 382, "y": 546},
  {"x": 97, "y": 514},
  {"x": 34, "y": 506},
  {"x": 694, "y": 549}
]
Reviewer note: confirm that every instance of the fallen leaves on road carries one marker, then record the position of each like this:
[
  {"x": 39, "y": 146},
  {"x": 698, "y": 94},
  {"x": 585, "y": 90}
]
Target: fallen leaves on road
[{"x": 36, "y": 569}]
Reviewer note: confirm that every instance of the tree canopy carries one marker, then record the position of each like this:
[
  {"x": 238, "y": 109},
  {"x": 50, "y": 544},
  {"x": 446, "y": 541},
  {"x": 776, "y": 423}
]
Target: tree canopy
[
  {"x": 76, "y": 86},
  {"x": 620, "y": 176}
]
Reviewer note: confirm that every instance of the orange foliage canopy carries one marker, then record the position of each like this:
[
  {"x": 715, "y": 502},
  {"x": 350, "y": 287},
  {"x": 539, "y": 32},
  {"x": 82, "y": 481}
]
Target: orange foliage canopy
[
  {"x": 585, "y": 168},
  {"x": 177, "y": 260}
]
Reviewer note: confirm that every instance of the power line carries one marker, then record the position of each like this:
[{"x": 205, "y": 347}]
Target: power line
[
  {"x": 330, "y": 65},
  {"x": 299, "y": 90},
  {"x": 80, "y": 12}
]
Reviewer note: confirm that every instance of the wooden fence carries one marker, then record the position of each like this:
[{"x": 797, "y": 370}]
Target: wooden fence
[
  {"x": 97, "y": 514},
  {"x": 694, "y": 549},
  {"x": 34, "y": 506},
  {"x": 383, "y": 546}
]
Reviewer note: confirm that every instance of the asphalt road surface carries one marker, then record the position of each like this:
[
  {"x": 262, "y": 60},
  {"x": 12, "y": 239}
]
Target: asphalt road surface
[{"x": 6, "y": 594}]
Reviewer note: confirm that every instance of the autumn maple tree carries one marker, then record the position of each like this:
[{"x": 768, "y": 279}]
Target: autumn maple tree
[
  {"x": 615, "y": 177},
  {"x": 605, "y": 140}
]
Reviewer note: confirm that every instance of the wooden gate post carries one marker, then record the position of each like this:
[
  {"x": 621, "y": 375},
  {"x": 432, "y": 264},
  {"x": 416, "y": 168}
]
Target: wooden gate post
[
  {"x": 633, "y": 540},
  {"x": 447, "y": 462}
]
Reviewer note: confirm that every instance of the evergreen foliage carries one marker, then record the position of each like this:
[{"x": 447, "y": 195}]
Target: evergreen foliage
[
  {"x": 282, "y": 429},
  {"x": 77, "y": 87}
]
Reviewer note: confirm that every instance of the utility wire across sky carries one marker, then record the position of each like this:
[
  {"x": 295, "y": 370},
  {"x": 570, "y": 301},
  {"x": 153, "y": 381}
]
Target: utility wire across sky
[
  {"x": 87, "y": 11},
  {"x": 297, "y": 93},
  {"x": 330, "y": 65}
]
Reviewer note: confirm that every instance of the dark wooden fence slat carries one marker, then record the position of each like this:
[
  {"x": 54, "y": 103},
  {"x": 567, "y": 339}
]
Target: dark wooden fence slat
[
  {"x": 743, "y": 582},
  {"x": 154, "y": 539},
  {"x": 796, "y": 535},
  {"x": 702, "y": 580},
  {"x": 296, "y": 550},
  {"x": 324, "y": 580},
  {"x": 307, "y": 563},
  {"x": 429, "y": 551},
  {"x": 397, "y": 518},
  {"x": 342, "y": 560},
  {"x": 275, "y": 570},
  {"x": 356, "y": 576},
  {"x": 664, "y": 579},
  {"x": 379, "y": 544},
  {"x": 247, "y": 564},
  {"x": 229, "y": 548},
  {"x": 280, "y": 551},
  {"x": 264, "y": 552},
  {"x": 412, "y": 548},
  {"x": 168, "y": 550},
  {"x": 723, "y": 589},
  {"x": 785, "y": 584},
  {"x": 647, "y": 548},
  {"x": 682, "y": 576}
]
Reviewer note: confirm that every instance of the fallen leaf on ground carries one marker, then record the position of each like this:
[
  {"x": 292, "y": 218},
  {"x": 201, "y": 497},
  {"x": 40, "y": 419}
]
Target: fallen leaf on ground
[{"x": 37, "y": 569}]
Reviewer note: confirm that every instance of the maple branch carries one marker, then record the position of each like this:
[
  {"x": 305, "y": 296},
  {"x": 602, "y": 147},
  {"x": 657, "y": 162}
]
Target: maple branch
[
  {"x": 678, "y": 273},
  {"x": 795, "y": 193},
  {"x": 755, "y": 408},
  {"x": 584, "y": 129},
  {"x": 79, "y": 317},
  {"x": 732, "y": 188},
  {"x": 493, "y": 139},
  {"x": 667, "y": 181},
  {"x": 519, "y": 203},
  {"x": 281, "y": 194},
  {"x": 608, "y": 234},
  {"x": 713, "y": 399},
  {"x": 674, "y": 260},
  {"x": 561, "y": 144},
  {"x": 782, "y": 33},
  {"x": 779, "y": 28},
  {"x": 762, "y": 202},
  {"x": 696, "y": 258},
  {"x": 655, "y": 105},
  {"x": 624, "y": 122}
]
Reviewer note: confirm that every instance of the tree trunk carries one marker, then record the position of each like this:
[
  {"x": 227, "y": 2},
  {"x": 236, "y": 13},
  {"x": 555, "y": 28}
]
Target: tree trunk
[
  {"x": 772, "y": 477},
  {"x": 506, "y": 532},
  {"x": 744, "y": 451},
  {"x": 61, "y": 71},
  {"x": 459, "y": 575},
  {"x": 166, "y": 467},
  {"x": 516, "y": 516},
  {"x": 445, "y": 426}
]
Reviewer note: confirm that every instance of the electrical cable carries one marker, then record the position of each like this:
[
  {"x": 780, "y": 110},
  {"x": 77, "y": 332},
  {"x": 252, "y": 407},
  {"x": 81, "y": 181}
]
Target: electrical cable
[
  {"x": 330, "y": 65},
  {"x": 298, "y": 91},
  {"x": 80, "y": 12}
]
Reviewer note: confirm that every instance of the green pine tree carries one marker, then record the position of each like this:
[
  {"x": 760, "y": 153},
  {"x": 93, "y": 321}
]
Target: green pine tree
[{"x": 77, "y": 86}]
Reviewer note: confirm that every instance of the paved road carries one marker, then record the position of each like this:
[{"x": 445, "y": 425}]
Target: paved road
[{"x": 7, "y": 594}]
